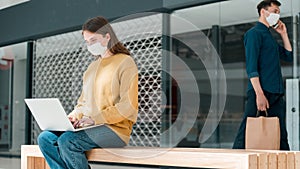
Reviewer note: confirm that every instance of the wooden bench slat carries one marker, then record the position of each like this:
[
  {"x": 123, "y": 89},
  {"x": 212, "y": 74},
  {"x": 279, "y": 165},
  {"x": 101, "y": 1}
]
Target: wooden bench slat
[
  {"x": 176, "y": 158},
  {"x": 297, "y": 160},
  {"x": 32, "y": 158},
  {"x": 290, "y": 161},
  {"x": 36, "y": 163},
  {"x": 262, "y": 161},
  {"x": 272, "y": 161},
  {"x": 282, "y": 160}
]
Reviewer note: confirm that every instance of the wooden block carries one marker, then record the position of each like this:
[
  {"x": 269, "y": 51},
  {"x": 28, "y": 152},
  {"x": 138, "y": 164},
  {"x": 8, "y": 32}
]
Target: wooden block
[
  {"x": 252, "y": 162},
  {"x": 30, "y": 163},
  {"x": 290, "y": 160},
  {"x": 297, "y": 160},
  {"x": 36, "y": 163},
  {"x": 40, "y": 163},
  {"x": 263, "y": 161},
  {"x": 272, "y": 161},
  {"x": 281, "y": 160}
]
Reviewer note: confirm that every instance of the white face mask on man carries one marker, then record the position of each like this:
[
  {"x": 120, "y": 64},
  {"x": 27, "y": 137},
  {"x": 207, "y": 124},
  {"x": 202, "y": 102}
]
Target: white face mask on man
[
  {"x": 97, "y": 49},
  {"x": 273, "y": 19}
]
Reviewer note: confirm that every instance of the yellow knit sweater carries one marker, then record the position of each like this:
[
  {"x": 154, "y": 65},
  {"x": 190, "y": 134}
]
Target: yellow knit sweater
[{"x": 110, "y": 94}]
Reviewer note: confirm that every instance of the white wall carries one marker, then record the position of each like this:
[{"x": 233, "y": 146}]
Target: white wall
[{"x": 19, "y": 91}]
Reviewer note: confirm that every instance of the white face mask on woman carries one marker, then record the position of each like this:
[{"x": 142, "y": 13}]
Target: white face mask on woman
[
  {"x": 272, "y": 19},
  {"x": 97, "y": 49}
]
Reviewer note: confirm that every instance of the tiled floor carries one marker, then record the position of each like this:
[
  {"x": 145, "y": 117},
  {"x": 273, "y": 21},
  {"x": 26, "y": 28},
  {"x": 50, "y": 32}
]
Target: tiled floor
[
  {"x": 14, "y": 163},
  {"x": 10, "y": 163}
]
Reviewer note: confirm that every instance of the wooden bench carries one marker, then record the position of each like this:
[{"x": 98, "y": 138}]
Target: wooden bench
[{"x": 32, "y": 158}]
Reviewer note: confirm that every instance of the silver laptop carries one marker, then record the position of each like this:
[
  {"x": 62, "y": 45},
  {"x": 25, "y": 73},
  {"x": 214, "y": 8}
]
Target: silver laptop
[{"x": 50, "y": 115}]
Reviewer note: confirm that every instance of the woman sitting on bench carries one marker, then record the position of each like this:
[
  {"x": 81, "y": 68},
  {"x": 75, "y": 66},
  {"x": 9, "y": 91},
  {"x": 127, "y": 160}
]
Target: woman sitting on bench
[{"x": 109, "y": 97}]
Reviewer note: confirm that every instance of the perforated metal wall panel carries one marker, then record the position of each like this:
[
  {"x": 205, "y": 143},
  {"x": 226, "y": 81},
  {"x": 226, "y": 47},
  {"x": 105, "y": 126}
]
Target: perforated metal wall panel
[{"x": 59, "y": 62}]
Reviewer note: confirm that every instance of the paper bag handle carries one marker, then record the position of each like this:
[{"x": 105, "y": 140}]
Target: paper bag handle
[{"x": 258, "y": 113}]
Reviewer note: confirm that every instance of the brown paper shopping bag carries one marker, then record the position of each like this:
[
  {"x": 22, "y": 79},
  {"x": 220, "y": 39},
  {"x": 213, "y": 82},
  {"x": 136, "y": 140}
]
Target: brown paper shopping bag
[{"x": 262, "y": 133}]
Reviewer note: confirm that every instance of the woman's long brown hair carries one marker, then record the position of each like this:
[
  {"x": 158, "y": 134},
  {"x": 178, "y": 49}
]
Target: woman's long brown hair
[{"x": 100, "y": 25}]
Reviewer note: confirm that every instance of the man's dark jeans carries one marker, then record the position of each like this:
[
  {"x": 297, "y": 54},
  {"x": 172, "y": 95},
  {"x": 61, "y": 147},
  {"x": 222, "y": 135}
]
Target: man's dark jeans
[{"x": 276, "y": 108}]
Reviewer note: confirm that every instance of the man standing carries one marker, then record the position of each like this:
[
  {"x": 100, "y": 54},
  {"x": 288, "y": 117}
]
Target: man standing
[{"x": 265, "y": 87}]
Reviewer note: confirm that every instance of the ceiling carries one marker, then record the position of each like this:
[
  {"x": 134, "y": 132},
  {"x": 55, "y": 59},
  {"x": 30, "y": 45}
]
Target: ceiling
[{"x": 9, "y": 3}]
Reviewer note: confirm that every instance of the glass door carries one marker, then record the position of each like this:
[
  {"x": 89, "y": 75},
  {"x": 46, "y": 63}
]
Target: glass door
[
  {"x": 6, "y": 79},
  {"x": 223, "y": 25}
]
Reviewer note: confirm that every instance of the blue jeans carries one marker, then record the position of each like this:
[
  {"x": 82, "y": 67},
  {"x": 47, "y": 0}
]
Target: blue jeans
[
  {"x": 276, "y": 109},
  {"x": 66, "y": 150}
]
